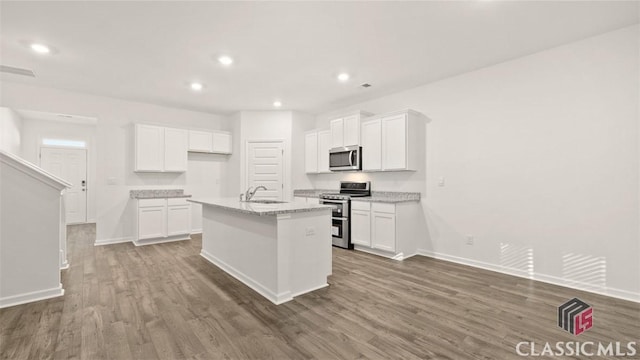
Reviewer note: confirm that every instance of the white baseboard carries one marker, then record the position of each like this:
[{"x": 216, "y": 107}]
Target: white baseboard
[
  {"x": 274, "y": 298},
  {"x": 31, "y": 297},
  {"x": 161, "y": 240},
  {"x": 112, "y": 241},
  {"x": 388, "y": 255},
  {"x": 196, "y": 231},
  {"x": 612, "y": 292}
]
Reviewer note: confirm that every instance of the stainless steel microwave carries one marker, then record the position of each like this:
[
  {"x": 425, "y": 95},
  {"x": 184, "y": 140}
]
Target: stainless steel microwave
[{"x": 345, "y": 158}]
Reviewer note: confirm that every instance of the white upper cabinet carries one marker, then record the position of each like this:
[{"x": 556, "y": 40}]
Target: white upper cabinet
[
  {"x": 175, "y": 149},
  {"x": 200, "y": 141},
  {"x": 372, "y": 145},
  {"x": 149, "y": 144},
  {"x": 337, "y": 132},
  {"x": 316, "y": 152},
  {"x": 393, "y": 142},
  {"x": 311, "y": 152},
  {"x": 218, "y": 142},
  {"x": 324, "y": 139},
  {"x": 345, "y": 131},
  {"x": 222, "y": 142},
  {"x": 160, "y": 149},
  {"x": 351, "y": 130}
]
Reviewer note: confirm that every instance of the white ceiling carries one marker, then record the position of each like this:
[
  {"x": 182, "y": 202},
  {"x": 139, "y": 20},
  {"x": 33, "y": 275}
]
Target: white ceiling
[{"x": 292, "y": 51}]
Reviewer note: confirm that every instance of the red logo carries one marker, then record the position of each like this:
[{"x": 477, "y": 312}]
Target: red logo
[{"x": 575, "y": 316}]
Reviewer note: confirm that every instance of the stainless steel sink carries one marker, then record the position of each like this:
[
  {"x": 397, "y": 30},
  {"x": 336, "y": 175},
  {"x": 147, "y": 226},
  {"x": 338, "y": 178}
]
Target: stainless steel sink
[{"x": 266, "y": 201}]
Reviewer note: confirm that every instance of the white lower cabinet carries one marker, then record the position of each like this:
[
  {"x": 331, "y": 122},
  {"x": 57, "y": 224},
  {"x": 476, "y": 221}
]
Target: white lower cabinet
[
  {"x": 386, "y": 229},
  {"x": 161, "y": 220},
  {"x": 178, "y": 217},
  {"x": 383, "y": 229},
  {"x": 361, "y": 227},
  {"x": 151, "y": 215}
]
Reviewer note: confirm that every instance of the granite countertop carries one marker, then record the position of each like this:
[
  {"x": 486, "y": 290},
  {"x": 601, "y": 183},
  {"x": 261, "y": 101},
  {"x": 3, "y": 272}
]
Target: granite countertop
[
  {"x": 376, "y": 196},
  {"x": 233, "y": 204},
  {"x": 158, "y": 194}
]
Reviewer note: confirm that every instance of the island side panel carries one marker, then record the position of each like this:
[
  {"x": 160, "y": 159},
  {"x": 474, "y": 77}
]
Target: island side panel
[
  {"x": 244, "y": 246},
  {"x": 304, "y": 250}
]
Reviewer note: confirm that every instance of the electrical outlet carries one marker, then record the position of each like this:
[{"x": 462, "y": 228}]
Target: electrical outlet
[
  {"x": 441, "y": 181},
  {"x": 470, "y": 239},
  {"x": 310, "y": 231},
  {"x": 217, "y": 181}
]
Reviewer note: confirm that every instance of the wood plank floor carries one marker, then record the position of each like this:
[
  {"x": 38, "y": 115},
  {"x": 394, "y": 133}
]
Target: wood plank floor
[{"x": 166, "y": 302}]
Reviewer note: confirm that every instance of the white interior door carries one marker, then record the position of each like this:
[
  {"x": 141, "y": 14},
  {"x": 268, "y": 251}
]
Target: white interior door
[
  {"x": 70, "y": 165},
  {"x": 265, "y": 167}
]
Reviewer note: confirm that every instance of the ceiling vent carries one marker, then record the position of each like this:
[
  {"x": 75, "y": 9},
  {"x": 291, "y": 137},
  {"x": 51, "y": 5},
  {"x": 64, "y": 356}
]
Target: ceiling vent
[
  {"x": 16, "y": 71},
  {"x": 365, "y": 85}
]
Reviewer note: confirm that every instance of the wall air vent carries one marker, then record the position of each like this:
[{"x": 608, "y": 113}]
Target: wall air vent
[
  {"x": 365, "y": 85},
  {"x": 16, "y": 71}
]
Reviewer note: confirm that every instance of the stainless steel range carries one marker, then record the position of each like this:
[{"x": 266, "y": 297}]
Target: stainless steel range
[{"x": 341, "y": 216}]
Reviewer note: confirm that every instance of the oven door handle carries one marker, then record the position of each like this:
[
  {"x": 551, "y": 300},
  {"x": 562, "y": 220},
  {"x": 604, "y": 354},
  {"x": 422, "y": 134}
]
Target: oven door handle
[
  {"x": 340, "y": 218},
  {"x": 322, "y": 202}
]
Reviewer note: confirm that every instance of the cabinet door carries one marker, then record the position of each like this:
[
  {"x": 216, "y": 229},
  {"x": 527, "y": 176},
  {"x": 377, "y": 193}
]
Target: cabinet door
[
  {"x": 149, "y": 144},
  {"x": 372, "y": 145},
  {"x": 394, "y": 143},
  {"x": 178, "y": 220},
  {"x": 351, "y": 130},
  {"x": 337, "y": 133},
  {"x": 311, "y": 153},
  {"x": 151, "y": 222},
  {"x": 383, "y": 230},
  {"x": 324, "y": 144},
  {"x": 175, "y": 149},
  {"x": 312, "y": 200},
  {"x": 200, "y": 141},
  {"x": 361, "y": 227},
  {"x": 222, "y": 143}
]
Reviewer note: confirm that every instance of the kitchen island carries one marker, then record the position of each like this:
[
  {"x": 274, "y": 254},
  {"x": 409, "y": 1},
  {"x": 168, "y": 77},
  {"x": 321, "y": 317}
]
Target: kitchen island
[{"x": 280, "y": 250}]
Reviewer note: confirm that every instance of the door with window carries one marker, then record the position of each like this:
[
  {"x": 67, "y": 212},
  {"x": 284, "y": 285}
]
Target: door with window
[
  {"x": 265, "y": 168},
  {"x": 70, "y": 165}
]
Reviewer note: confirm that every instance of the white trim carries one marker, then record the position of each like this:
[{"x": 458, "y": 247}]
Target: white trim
[
  {"x": 33, "y": 170},
  {"x": 612, "y": 292},
  {"x": 160, "y": 240},
  {"x": 274, "y": 298},
  {"x": 196, "y": 231},
  {"x": 112, "y": 241},
  {"x": 31, "y": 297},
  {"x": 389, "y": 255},
  {"x": 310, "y": 290}
]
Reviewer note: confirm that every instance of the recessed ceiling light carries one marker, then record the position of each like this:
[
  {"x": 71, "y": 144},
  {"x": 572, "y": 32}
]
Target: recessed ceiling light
[
  {"x": 196, "y": 86},
  {"x": 225, "y": 60},
  {"x": 343, "y": 77},
  {"x": 40, "y": 49},
  {"x": 277, "y": 103}
]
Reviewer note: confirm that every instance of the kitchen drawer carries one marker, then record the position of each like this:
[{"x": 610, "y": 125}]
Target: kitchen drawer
[
  {"x": 360, "y": 205},
  {"x": 384, "y": 208},
  {"x": 151, "y": 202},
  {"x": 177, "y": 201}
]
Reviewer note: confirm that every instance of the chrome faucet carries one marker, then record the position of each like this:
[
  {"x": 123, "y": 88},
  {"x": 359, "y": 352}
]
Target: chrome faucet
[{"x": 248, "y": 195}]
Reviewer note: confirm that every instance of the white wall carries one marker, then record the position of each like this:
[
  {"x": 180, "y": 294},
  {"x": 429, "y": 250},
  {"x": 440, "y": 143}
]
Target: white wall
[
  {"x": 10, "y": 130},
  {"x": 541, "y": 161},
  {"x": 114, "y": 143},
  {"x": 33, "y": 131},
  {"x": 266, "y": 125}
]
